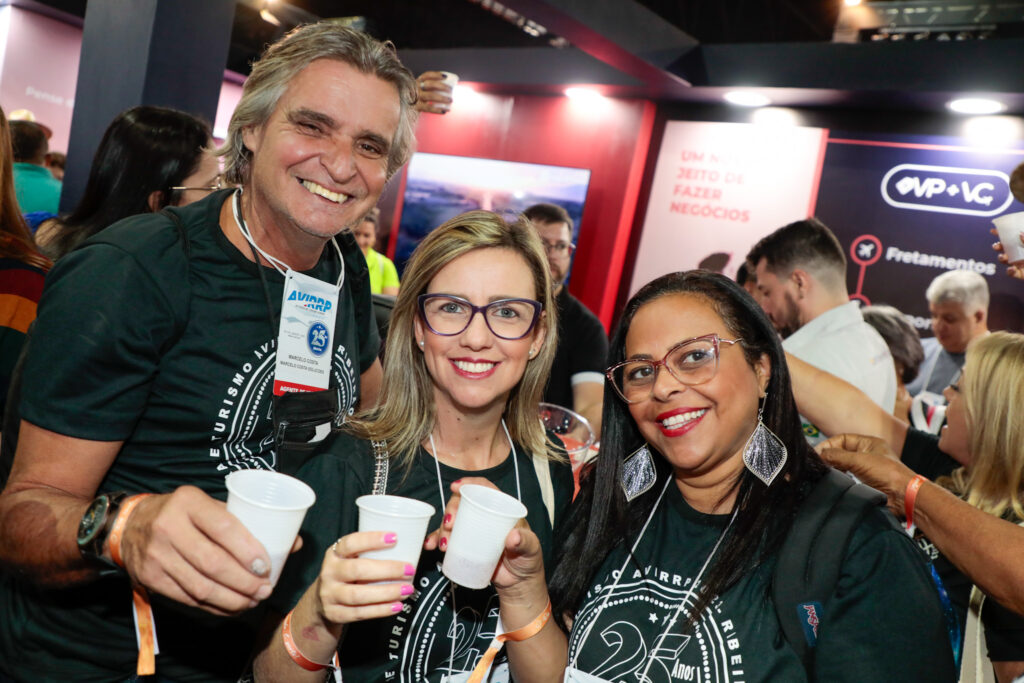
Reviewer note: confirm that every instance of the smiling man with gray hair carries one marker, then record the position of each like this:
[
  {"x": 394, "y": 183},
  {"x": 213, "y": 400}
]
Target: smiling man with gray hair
[{"x": 172, "y": 349}]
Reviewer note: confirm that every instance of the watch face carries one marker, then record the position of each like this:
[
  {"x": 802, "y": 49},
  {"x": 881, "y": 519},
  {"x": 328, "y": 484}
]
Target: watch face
[{"x": 92, "y": 520}]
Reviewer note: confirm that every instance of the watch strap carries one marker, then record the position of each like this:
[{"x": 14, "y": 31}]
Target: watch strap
[{"x": 108, "y": 504}]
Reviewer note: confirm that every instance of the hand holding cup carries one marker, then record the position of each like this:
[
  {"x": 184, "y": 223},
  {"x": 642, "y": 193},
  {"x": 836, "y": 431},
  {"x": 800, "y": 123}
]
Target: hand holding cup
[
  {"x": 435, "y": 91},
  {"x": 354, "y": 587},
  {"x": 480, "y": 534}
]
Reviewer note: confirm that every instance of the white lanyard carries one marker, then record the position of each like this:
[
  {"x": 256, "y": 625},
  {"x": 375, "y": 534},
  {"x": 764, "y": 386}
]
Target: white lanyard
[
  {"x": 570, "y": 672},
  {"x": 440, "y": 491},
  {"x": 305, "y": 332},
  {"x": 279, "y": 265}
]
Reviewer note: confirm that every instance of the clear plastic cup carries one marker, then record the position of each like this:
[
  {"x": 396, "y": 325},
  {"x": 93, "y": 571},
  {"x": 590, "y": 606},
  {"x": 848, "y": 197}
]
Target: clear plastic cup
[
  {"x": 483, "y": 521},
  {"x": 1009, "y": 227},
  {"x": 406, "y": 517},
  {"x": 272, "y": 506}
]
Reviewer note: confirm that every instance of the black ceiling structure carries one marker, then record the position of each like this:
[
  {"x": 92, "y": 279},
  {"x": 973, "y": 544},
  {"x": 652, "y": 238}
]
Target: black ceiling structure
[{"x": 813, "y": 53}]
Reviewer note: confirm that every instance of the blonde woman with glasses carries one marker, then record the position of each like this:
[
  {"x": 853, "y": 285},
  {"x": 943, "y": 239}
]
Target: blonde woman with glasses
[{"x": 469, "y": 349}]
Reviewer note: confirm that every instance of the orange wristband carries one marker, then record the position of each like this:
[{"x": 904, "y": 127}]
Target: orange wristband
[
  {"x": 910, "y": 497},
  {"x": 117, "y": 530},
  {"x": 528, "y": 631},
  {"x": 293, "y": 649}
]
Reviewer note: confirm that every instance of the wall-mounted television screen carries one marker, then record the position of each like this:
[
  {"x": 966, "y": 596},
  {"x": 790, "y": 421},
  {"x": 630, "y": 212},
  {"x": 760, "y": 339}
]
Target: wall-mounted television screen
[{"x": 440, "y": 186}]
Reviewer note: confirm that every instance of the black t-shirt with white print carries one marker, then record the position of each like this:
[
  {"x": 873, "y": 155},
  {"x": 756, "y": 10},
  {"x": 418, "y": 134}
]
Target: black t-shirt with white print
[
  {"x": 885, "y": 619},
  {"x": 169, "y": 348},
  {"x": 416, "y": 644}
]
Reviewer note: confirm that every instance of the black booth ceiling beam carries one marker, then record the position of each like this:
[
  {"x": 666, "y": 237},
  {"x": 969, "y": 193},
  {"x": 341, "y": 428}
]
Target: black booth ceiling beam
[{"x": 621, "y": 33}]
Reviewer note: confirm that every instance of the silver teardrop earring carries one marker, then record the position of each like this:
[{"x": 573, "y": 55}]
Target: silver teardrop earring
[
  {"x": 765, "y": 454},
  {"x": 638, "y": 473}
]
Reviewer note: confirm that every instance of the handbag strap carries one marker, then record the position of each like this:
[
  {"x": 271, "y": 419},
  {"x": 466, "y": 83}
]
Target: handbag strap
[
  {"x": 547, "y": 490},
  {"x": 380, "y": 468}
]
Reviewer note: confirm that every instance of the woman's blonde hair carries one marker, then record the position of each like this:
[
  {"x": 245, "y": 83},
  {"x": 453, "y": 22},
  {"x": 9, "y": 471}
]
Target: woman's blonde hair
[
  {"x": 405, "y": 414},
  {"x": 993, "y": 393}
]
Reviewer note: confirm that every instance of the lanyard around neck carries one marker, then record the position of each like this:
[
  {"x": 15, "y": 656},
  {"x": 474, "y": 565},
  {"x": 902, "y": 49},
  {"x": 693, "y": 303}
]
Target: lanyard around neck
[
  {"x": 437, "y": 465},
  {"x": 279, "y": 265},
  {"x": 440, "y": 491},
  {"x": 622, "y": 570}
]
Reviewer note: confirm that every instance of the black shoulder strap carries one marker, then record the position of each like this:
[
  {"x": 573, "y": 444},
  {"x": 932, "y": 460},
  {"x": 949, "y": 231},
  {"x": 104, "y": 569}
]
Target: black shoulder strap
[{"x": 812, "y": 555}]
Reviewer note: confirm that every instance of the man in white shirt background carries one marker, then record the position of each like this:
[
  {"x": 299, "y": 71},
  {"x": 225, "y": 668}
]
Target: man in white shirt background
[{"x": 801, "y": 275}]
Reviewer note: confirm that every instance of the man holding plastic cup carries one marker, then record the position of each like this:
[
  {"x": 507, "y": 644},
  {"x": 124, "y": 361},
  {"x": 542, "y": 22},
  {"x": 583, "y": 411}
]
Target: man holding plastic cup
[{"x": 175, "y": 349}]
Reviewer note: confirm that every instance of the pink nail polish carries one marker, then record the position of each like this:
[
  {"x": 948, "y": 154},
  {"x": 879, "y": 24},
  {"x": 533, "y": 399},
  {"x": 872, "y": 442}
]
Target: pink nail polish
[
  {"x": 444, "y": 544},
  {"x": 390, "y": 538},
  {"x": 407, "y": 589},
  {"x": 397, "y": 607},
  {"x": 447, "y": 519},
  {"x": 410, "y": 570}
]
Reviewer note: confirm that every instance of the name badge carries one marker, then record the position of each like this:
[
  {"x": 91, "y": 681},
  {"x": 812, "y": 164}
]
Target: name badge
[{"x": 305, "y": 338}]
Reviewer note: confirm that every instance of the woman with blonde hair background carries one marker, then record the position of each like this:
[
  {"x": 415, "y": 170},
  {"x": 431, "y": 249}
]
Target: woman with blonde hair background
[
  {"x": 977, "y": 456},
  {"x": 458, "y": 404}
]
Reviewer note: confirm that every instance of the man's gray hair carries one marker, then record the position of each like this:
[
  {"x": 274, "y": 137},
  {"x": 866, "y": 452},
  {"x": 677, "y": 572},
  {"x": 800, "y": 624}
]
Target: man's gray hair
[
  {"x": 283, "y": 60},
  {"x": 965, "y": 287}
]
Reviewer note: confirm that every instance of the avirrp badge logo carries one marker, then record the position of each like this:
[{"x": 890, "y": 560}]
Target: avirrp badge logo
[{"x": 944, "y": 189}]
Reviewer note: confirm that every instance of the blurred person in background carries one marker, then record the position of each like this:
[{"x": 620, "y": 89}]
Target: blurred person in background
[
  {"x": 383, "y": 275},
  {"x": 22, "y": 268},
  {"x": 958, "y": 301},
  {"x": 56, "y": 161},
  {"x": 801, "y": 274},
  {"x": 36, "y": 188},
  {"x": 905, "y": 347},
  {"x": 577, "y": 379},
  {"x": 149, "y": 158}
]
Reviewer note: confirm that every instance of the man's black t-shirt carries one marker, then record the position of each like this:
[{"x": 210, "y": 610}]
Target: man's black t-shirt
[
  {"x": 169, "y": 349},
  {"x": 582, "y": 347}
]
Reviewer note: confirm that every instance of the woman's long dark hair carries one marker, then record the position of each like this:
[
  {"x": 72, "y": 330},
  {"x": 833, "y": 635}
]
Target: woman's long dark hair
[
  {"x": 144, "y": 150},
  {"x": 601, "y": 519}
]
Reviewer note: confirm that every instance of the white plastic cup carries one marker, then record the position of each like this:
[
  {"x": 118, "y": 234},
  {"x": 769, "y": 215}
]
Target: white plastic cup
[
  {"x": 1009, "y": 227},
  {"x": 483, "y": 521},
  {"x": 272, "y": 506},
  {"x": 406, "y": 517},
  {"x": 450, "y": 79}
]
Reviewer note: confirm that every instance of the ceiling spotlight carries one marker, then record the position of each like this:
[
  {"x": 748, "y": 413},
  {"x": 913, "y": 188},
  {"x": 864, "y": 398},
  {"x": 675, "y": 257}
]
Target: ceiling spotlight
[
  {"x": 975, "y": 105},
  {"x": 267, "y": 16},
  {"x": 746, "y": 98},
  {"x": 583, "y": 94}
]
